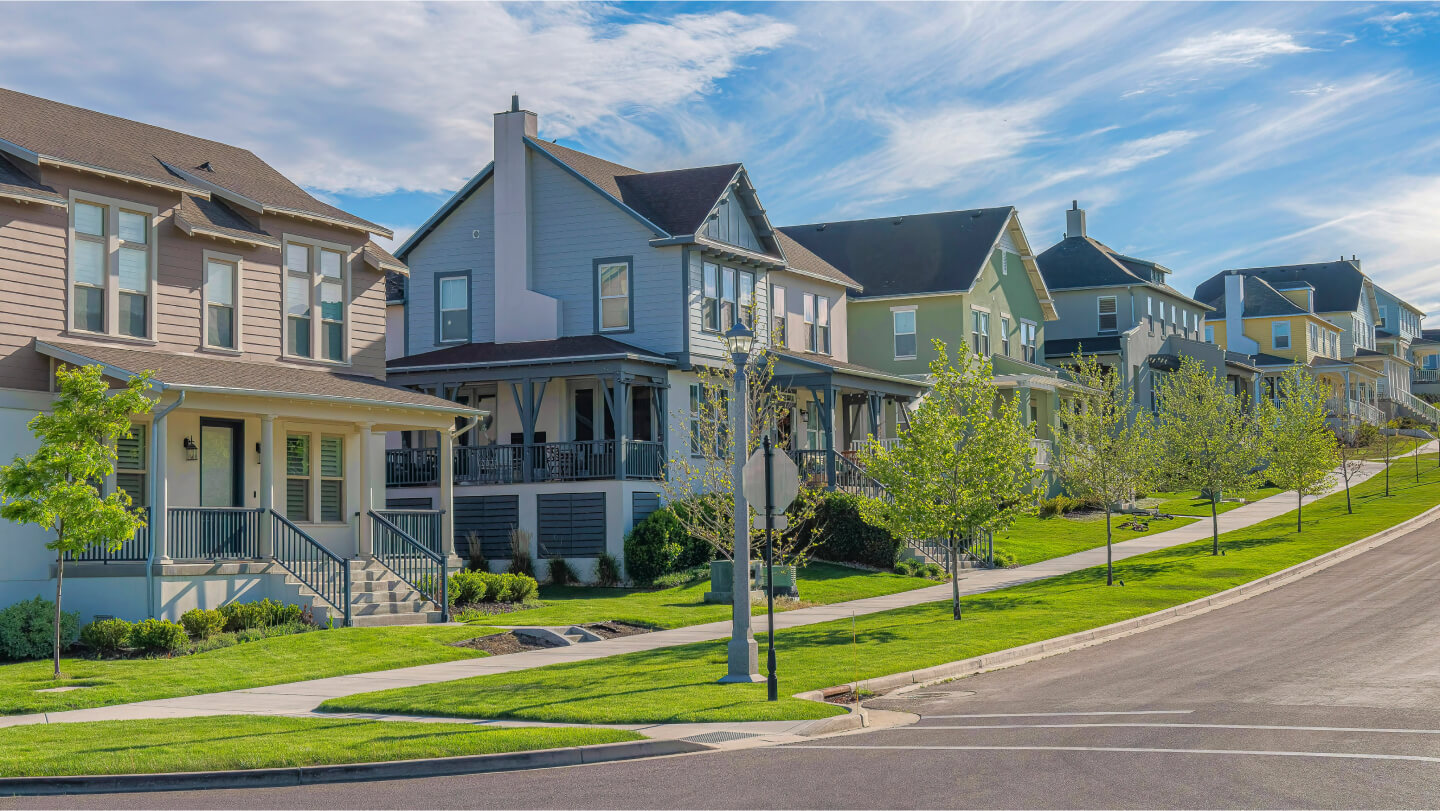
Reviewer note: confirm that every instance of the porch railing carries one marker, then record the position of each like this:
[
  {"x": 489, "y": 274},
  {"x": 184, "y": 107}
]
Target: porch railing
[
  {"x": 644, "y": 459},
  {"x": 425, "y": 571},
  {"x": 214, "y": 533},
  {"x": 573, "y": 461},
  {"x": 814, "y": 465},
  {"x": 489, "y": 464},
  {"x": 1425, "y": 376},
  {"x": 134, "y": 548},
  {"x": 422, "y": 525},
  {"x": 410, "y": 467},
  {"x": 887, "y": 443},
  {"x": 547, "y": 462},
  {"x": 321, "y": 570},
  {"x": 1043, "y": 449}
]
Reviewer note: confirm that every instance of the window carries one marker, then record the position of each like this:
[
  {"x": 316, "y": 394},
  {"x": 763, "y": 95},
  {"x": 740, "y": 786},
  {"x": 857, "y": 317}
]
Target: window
[
  {"x": 710, "y": 298},
  {"x": 905, "y": 344},
  {"x": 297, "y": 477},
  {"x": 222, "y": 287},
  {"x": 1315, "y": 339},
  {"x": 1028, "y": 332},
  {"x": 1004, "y": 263},
  {"x": 777, "y": 310},
  {"x": 1280, "y": 334},
  {"x": 1209, "y": 333},
  {"x": 1150, "y": 314},
  {"x": 112, "y": 249},
  {"x": 747, "y": 299},
  {"x": 980, "y": 332},
  {"x": 315, "y": 282},
  {"x": 332, "y": 478},
  {"x": 614, "y": 286},
  {"x": 1005, "y": 335},
  {"x": 130, "y": 465},
  {"x": 1380, "y": 322},
  {"x": 727, "y": 298},
  {"x": 820, "y": 330},
  {"x": 452, "y": 294},
  {"x": 809, "y": 299},
  {"x": 1109, "y": 314},
  {"x": 715, "y": 410}
]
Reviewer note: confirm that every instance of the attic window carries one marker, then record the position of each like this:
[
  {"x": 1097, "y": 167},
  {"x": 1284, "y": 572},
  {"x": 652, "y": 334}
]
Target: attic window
[
  {"x": 206, "y": 167},
  {"x": 1109, "y": 314}
]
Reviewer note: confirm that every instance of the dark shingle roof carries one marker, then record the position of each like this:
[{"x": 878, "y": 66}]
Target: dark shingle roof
[
  {"x": 214, "y": 216},
  {"x": 803, "y": 260},
  {"x": 76, "y": 135},
  {"x": 1065, "y": 347},
  {"x": 246, "y": 377},
  {"x": 1260, "y": 300},
  {"x": 1266, "y": 359},
  {"x": 1338, "y": 285},
  {"x": 1076, "y": 262},
  {"x": 479, "y": 354},
  {"x": 920, "y": 253},
  {"x": 13, "y": 181}
]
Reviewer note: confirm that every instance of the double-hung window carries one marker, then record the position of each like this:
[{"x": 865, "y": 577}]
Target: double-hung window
[
  {"x": 112, "y": 262},
  {"x": 810, "y": 321},
  {"x": 905, "y": 342},
  {"x": 1280, "y": 334},
  {"x": 777, "y": 310},
  {"x": 1315, "y": 345},
  {"x": 302, "y": 484},
  {"x": 710, "y": 298},
  {"x": 1109, "y": 314},
  {"x": 452, "y": 302},
  {"x": 315, "y": 282},
  {"x": 222, "y": 298},
  {"x": 709, "y": 420},
  {"x": 1028, "y": 332},
  {"x": 820, "y": 326},
  {"x": 727, "y": 297},
  {"x": 131, "y": 456},
  {"x": 980, "y": 332},
  {"x": 1005, "y": 335},
  {"x": 747, "y": 299},
  {"x": 1380, "y": 322},
  {"x": 1209, "y": 333},
  {"x": 613, "y": 283},
  {"x": 297, "y": 477},
  {"x": 332, "y": 478}
]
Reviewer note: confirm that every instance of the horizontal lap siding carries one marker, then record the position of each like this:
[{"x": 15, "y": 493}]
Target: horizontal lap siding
[
  {"x": 453, "y": 246},
  {"x": 571, "y": 525},
  {"x": 491, "y": 518},
  {"x": 32, "y": 289}
]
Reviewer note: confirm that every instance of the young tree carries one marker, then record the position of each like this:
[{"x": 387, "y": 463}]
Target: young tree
[
  {"x": 965, "y": 465},
  {"x": 1103, "y": 448},
  {"x": 1387, "y": 445},
  {"x": 1208, "y": 441},
  {"x": 1298, "y": 442},
  {"x": 1346, "y": 446},
  {"x": 56, "y": 486}
]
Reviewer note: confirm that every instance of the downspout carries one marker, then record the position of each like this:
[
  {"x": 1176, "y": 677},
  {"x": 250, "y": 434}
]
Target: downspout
[{"x": 154, "y": 494}]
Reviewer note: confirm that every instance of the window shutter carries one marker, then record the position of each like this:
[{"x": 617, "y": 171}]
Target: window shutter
[
  {"x": 130, "y": 451},
  {"x": 331, "y": 499},
  {"x": 297, "y": 499},
  {"x": 332, "y": 456},
  {"x": 297, "y": 455},
  {"x": 1109, "y": 318},
  {"x": 134, "y": 485}
]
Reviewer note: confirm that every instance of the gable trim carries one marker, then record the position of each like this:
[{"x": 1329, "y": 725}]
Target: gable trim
[
  {"x": 445, "y": 211},
  {"x": 640, "y": 218}
]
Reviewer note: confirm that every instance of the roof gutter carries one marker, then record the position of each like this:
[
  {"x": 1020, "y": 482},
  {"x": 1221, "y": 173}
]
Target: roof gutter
[
  {"x": 46, "y": 160},
  {"x": 42, "y": 199},
  {"x": 440, "y": 367}
]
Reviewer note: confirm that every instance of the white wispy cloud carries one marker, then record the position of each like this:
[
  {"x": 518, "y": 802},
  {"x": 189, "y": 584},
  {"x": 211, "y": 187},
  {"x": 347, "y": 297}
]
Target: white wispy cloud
[{"x": 1246, "y": 46}]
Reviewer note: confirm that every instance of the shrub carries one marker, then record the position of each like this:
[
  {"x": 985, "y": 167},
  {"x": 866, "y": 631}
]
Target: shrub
[
  {"x": 105, "y": 637},
  {"x": 466, "y": 588},
  {"x": 607, "y": 570},
  {"x": 477, "y": 562},
  {"x": 261, "y": 614},
  {"x": 560, "y": 572},
  {"x": 684, "y": 577},
  {"x": 655, "y": 546},
  {"x": 1366, "y": 434},
  {"x": 839, "y": 533},
  {"x": 905, "y": 566},
  {"x": 1004, "y": 560},
  {"x": 523, "y": 588},
  {"x": 27, "y": 629},
  {"x": 157, "y": 636},
  {"x": 202, "y": 623},
  {"x": 932, "y": 570},
  {"x": 520, "y": 560}
]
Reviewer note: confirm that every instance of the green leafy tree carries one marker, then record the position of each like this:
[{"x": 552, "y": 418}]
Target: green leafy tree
[
  {"x": 1208, "y": 441},
  {"x": 964, "y": 466},
  {"x": 56, "y": 487},
  {"x": 1298, "y": 441},
  {"x": 1103, "y": 445}
]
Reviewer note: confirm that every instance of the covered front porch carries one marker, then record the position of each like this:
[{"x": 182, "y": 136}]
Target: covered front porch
[{"x": 1355, "y": 390}]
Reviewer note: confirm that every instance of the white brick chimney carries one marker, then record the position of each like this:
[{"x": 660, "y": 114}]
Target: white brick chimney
[
  {"x": 521, "y": 314},
  {"x": 1235, "y": 339},
  {"x": 1075, "y": 220}
]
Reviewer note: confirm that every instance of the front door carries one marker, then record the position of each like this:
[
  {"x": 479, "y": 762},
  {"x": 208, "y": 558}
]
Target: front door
[{"x": 222, "y": 477}]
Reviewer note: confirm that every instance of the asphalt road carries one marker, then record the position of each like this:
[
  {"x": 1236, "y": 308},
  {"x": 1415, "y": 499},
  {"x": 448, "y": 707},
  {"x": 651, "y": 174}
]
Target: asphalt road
[{"x": 1323, "y": 693}]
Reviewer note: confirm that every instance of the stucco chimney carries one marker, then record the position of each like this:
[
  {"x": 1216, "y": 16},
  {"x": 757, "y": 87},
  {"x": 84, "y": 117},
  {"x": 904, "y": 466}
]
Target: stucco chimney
[
  {"x": 1075, "y": 220},
  {"x": 521, "y": 314},
  {"x": 1235, "y": 339}
]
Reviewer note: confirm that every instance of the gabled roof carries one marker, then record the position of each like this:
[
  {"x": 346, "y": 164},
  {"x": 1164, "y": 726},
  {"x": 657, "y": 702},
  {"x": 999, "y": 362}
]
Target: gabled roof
[
  {"x": 213, "y": 218},
  {"x": 1080, "y": 262},
  {"x": 41, "y": 131},
  {"x": 1261, "y": 300},
  {"x": 17, "y": 185},
  {"x": 380, "y": 259},
  {"x": 1096, "y": 345},
  {"x": 568, "y": 348},
  {"x": 1338, "y": 285},
  {"x": 802, "y": 260}
]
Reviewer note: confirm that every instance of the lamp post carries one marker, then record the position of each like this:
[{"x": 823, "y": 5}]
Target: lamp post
[{"x": 744, "y": 655}]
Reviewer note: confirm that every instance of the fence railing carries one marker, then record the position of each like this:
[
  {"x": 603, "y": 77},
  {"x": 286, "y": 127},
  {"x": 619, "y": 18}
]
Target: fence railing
[
  {"x": 134, "y": 548},
  {"x": 573, "y": 461},
  {"x": 979, "y": 547},
  {"x": 1425, "y": 376},
  {"x": 425, "y": 571},
  {"x": 814, "y": 465},
  {"x": 422, "y": 525},
  {"x": 408, "y": 467},
  {"x": 547, "y": 462},
  {"x": 1043, "y": 450},
  {"x": 644, "y": 459},
  {"x": 886, "y": 443},
  {"x": 214, "y": 533},
  {"x": 489, "y": 464},
  {"x": 321, "y": 570}
]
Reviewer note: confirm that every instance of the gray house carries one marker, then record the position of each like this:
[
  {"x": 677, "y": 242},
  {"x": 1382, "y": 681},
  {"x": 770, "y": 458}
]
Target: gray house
[{"x": 1122, "y": 311}]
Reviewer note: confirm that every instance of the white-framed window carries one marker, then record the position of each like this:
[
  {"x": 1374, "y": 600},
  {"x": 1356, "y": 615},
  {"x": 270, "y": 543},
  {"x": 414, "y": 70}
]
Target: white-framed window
[
  {"x": 746, "y": 304},
  {"x": 980, "y": 332},
  {"x": 727, "y": 297},
  {"x": 297, "y": 477},
  {"x": 820, "y": 330},
  {"x": 1150, "y": 314},
  {"x": 332, "y": 478},
  {"x": 903, "y": 320},
  {"x": 132, "y": 465},
  {"x": 780, "y": 321},
  {"x": 715, "y": 409},
  {"x": 452, "y": 302},
  {"x": 1005, "y": 335},
  {"x": 1280, "y": 334},
  {"x": 614, "y": 285},
  {"x": 314, "y": 475},
  {"x": 1209, "y": 333},
  {"x": 221, "y": 317},
  {"x": 1380, "y": 322},
  {"x": 1315, "y": 345},
  {"x": 112, "y": 266},
  {"x": 316, "y": 284},
  {"x": 1028, "y": 340},
  {"x": 710, "y": 297},
  {"x": 1108, "y": 311},
  {"x": 809, "y": 318},
  {"x": 1004, "y": 264}
]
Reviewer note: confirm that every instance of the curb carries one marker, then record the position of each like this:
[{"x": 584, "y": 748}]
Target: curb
[
  {"x": 903, "y": 682},
  {"x": 857, "y": 718},
  {"x": 348, "y": 772}
]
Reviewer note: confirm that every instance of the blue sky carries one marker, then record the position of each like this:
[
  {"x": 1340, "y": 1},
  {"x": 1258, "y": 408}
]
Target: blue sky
[{"x": 1204, "y": 136}]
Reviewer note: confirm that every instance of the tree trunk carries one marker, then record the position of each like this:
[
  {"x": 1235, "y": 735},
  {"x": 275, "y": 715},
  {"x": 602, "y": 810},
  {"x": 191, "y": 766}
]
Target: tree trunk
[
  {"x": 1109, "y": 553},
  {"x": 1387, "y": 471},
  {"x": 1299, "y": 509},
  {"x": 59, "y": 579},
  {"x": 1417, "y": 464},
  {"x": 1349, "y": 510},
  {"x": 955, "y": 575},
  {"x": 1214, "y": 526}
]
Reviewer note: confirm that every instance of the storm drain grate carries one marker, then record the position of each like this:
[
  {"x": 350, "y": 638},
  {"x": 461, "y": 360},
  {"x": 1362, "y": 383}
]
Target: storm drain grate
[{"x": 720, "y": 737}]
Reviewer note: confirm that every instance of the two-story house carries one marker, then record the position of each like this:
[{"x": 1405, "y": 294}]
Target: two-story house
[
  {"x": 573, "y": 299},
  {"x": 1122, "y": 311},
  {"x": 965, "y": 277},
  {"x": 260, "y": 311},
  {"x": 1400, "y": 334},
  {"x": 1425, "y": 353}
]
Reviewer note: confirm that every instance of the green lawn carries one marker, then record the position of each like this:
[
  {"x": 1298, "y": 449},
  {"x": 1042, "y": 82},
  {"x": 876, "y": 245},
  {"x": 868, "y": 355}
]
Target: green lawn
[
  {"x": 259, "y": 742},
  {"x": 820, "y": 583},
  {"x": 1400, "y": 446},
  {"x": 1033, "y": 539},
  {"x": 312, "y": 655},
  {"x": 678, "y": 684},
  {"x": 1190, "y": 503}
]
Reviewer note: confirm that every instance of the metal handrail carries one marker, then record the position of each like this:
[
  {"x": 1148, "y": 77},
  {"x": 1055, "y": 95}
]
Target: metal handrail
[
  {"x": 214, "y": 533},
  {"x": 321, "y": 570},
  {"x": 136, "y": 548},
  {"x": 425, "y": 571},
  {"x": 422, "y": 525}
]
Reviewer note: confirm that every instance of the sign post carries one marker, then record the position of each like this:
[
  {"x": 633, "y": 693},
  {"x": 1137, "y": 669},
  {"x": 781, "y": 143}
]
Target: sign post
[{"x": 775, "y": 482}]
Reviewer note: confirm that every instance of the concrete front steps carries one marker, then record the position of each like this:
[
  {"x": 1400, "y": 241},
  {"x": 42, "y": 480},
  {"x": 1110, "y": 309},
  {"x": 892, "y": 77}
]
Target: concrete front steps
[{"x": 378, "y": 597}]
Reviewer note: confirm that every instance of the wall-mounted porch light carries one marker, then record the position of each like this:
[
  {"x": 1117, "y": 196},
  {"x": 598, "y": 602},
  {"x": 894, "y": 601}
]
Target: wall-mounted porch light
[{"x": 192, "y": 451}]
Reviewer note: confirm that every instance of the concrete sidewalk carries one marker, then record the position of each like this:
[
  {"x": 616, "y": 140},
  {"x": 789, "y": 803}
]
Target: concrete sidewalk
[{"x": 303, "y": 697}]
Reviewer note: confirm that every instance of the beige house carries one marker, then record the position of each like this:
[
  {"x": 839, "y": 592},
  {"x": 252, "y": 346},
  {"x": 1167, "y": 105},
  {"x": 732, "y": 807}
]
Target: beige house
[{"x": 260, "y": 311}]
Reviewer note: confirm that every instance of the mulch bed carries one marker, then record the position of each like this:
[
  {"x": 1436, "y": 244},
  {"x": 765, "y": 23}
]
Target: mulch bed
[
  {"x": 496, "y": 608},
  {"x": 610, "y": 630},
  {"x": 511, "y": 642}
]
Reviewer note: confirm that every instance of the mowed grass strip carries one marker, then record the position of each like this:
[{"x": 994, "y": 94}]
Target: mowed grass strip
[
  {"x": 1032, "y": 539},
  {"x": 679, "y": 684},
  {"x": 820, "y": 583},
  {"x": 1190, "y": 502},
  {"x": 225, "y": 742},
  {"x": 299, "y": 657}
]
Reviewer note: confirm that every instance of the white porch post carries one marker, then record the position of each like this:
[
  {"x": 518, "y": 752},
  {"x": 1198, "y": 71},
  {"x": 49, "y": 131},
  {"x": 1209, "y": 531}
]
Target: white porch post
[
  {"x": 446, "y": 463},
  {"x": 366, "y": 545},
  {"x": 267, "y": 485},
  {"x": 159, "y": 513}
]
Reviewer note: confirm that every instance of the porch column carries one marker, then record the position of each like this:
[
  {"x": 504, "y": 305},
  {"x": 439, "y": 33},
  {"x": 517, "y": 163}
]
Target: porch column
[
  {"x": 824, "y": 399},
  {"x": 365, "y": 544},
  {"x": 622, "y": 429},
  {"x": 874, "y": 402},
  {"x": 1022, "y": 402},
  {"x": 1345, "y": 375},
  {"x": 160, "y": 510},
  {"x": 447, "y": 494},
  {"x": 267, "y": 485}
]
